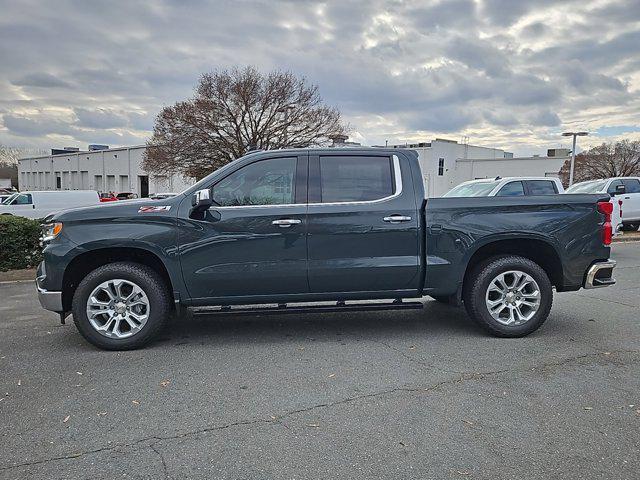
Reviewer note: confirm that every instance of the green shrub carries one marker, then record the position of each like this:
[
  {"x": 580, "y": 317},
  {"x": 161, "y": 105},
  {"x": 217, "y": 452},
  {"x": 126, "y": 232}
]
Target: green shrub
[{"x": 19, "y": 243}]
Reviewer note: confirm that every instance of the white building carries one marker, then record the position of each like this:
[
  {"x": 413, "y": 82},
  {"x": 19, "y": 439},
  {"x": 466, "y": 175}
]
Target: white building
[
  {"x": 109, "y": 170},
  {"x": 447, "y": 163}
]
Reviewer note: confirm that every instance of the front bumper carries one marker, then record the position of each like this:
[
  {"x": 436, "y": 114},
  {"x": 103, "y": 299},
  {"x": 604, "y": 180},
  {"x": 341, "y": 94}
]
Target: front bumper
[
  {"x": 50, "y": 300},
  {"x": 600, "y": 274}
]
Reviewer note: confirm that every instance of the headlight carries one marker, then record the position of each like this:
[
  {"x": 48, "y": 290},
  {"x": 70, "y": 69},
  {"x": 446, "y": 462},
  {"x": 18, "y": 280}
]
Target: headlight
[{"x": 51, "y": 231}]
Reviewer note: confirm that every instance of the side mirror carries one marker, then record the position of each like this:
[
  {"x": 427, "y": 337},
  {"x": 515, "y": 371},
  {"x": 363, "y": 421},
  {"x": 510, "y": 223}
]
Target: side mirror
[
  {"x": 621, "y": 189},
  {"x": 201, "y": 200}
]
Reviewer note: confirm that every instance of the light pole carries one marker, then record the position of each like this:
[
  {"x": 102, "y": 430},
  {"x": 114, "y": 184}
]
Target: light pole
[{"x": 573, "y": 151}]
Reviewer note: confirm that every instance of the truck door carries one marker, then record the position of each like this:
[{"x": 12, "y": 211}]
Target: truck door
[
  {"x": 631, "y": 198},
  {"x": 252, "y": 245},
  {"x": 23, "y": 206},
  {"x": 362, "y": 223}
]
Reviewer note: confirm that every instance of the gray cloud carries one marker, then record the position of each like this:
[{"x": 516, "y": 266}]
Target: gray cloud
[
  {"x": 40, "y": 79},
  {"x": 490, "y": 69}
]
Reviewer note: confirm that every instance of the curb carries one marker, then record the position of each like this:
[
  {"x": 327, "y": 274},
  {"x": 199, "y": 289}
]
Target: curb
[{"x": 8, "y": 282}]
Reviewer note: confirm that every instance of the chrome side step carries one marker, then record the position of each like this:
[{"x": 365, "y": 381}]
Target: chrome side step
[{"x": 273, "y": 309}]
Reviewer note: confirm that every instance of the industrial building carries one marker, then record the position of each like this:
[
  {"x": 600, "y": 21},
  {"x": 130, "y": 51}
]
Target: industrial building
[
  {"x": 99, "y": 168},
  {"x": 447, "y": 163}
]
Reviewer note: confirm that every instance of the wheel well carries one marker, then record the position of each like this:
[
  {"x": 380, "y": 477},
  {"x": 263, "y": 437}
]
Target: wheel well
[
  {"x": 537, "y": 251},
  {"x": 86, "y": 262}
]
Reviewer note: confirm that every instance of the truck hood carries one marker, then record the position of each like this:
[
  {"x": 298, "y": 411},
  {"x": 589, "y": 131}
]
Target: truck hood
[{"x": 121, "y": 208}]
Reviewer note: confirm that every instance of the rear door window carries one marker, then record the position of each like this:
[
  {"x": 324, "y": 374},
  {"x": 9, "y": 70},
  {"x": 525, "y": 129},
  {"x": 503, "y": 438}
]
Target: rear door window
[
  {"x": 511, "y": 189},
  {"x": 541, "y": 187},
  {"x": 355, "y": 178},
  {"x": 631, "y": 185}
]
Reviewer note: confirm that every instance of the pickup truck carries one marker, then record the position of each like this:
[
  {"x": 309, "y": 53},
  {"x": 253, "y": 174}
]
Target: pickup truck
[{"x": 319, "y": 230}]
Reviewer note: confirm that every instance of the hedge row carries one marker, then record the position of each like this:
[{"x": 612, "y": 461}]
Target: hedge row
[{"x": 19, "y": 243}]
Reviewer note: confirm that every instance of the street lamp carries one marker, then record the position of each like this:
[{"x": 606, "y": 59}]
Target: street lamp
[{"x": 573, "y": 151}]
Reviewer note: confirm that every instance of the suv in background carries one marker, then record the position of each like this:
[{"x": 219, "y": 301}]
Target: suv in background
[
  {"x": 507, "y": 187},
  {"x": 626, "y": 191}
]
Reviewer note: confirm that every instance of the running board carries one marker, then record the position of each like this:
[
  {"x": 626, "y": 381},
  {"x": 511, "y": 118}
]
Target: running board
[{"x": 273, "y": 309}]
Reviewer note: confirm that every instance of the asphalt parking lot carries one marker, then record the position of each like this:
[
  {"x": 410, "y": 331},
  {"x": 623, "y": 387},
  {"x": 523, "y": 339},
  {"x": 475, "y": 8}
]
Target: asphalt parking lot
[{"x": 411, "y": 394}]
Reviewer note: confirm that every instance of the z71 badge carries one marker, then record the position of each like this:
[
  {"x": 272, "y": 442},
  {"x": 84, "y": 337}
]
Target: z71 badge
[{"x": 153, "y": 208}]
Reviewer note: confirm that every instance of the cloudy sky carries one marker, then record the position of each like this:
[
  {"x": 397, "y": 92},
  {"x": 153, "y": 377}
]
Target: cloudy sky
[{"x": 506, "y": 73}]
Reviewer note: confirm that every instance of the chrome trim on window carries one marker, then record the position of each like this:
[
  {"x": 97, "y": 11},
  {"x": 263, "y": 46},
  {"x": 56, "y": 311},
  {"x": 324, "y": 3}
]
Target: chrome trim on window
[
  {"x": 398, "y": 190},
  {"x": 397, "y": 173}
]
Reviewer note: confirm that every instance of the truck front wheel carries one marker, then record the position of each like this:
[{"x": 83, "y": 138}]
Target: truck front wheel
[
  {"x": 121, "y": 306},
  {"x": 509, "y": 296}
]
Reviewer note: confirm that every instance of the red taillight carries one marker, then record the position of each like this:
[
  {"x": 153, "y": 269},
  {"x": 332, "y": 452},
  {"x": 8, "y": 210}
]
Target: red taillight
[
  {"x": 606, "y": 208},
  {"x": 620, "y": 204}
]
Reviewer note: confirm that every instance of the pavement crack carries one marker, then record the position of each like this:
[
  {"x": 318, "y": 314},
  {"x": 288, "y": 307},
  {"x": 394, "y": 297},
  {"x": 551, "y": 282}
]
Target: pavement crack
[
  {"x": 162, "y": 460},
  {"x": 277, "y": 419}
]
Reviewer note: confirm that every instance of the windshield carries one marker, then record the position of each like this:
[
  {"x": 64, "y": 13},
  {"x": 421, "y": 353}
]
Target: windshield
[
  {"x": 476, "y": 189},
  {"x": 9, "y": 199},
  {"x": 587, "y": 187}
]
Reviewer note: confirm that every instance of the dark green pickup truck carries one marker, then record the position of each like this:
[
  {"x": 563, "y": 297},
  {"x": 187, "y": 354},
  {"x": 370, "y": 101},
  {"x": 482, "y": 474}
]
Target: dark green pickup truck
[{"x": 320, "y": 230}]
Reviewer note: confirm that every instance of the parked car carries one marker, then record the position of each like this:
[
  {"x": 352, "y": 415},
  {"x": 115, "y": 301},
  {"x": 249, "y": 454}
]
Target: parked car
[
  {"x": 626, "y": 191},
  {"x": 126, "y": 196},
  {"x": 4, "y": 196},
  {"x": 108, "y": 197},
  {"x": 162, "y": 195},
  {"x": 39, "y": 204},
  {"x": 291, "y": 228},
  {"x": 507, "y": 187}
]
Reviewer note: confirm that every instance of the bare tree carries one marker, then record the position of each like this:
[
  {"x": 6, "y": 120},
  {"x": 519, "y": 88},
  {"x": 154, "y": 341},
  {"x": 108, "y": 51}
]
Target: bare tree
[
  {"x": 9, "y": 157},
  {"x": 620, "y": 159},
  {"x": 233, "y": 112}
]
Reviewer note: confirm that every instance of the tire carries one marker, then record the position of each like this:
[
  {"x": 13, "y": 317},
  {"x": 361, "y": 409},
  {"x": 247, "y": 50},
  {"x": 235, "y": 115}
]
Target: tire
[
  {"x": 477, "y": 296},
  {"x": 152, "y": 308},
  {"x": 630, "y": 227}
]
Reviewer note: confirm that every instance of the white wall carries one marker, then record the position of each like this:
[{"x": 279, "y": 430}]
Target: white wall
[
  {"x": 115, "y": 170},
  {"x": 429, "y": 157},
  {"x": 508, "y": 167}
]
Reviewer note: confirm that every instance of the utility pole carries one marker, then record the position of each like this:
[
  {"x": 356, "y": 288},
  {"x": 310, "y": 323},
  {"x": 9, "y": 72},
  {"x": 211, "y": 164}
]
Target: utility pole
[{"x": 573, "y": 151}]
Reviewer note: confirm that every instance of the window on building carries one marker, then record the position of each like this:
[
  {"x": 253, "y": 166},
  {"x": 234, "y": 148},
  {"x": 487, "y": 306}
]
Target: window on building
[
  {"x": 541, "y": 187},
  {"x": 355, "y": 179},
  {"x": 511, "y": 189},
  {"x": 440, "y": 167},
  {"x": 267, "y": 182}
]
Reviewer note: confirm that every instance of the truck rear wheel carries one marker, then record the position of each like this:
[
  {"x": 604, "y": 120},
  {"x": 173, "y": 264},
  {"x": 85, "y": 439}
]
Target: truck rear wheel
[
  {"x": 509, "y": 296},
  {"x": 121, "y": 306}
]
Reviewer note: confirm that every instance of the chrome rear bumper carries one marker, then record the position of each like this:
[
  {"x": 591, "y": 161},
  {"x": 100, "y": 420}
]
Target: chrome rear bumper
[{"x": 600, "y": 274}]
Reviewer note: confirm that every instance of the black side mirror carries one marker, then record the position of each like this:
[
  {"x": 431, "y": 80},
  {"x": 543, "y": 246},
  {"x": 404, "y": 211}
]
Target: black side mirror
[
  {"x": 201, "y": 200},
  {"x": 620, "y": 190}
]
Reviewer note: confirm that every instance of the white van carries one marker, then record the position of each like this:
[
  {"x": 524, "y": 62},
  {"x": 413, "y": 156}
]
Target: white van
[{"x": 41, "y": 204}]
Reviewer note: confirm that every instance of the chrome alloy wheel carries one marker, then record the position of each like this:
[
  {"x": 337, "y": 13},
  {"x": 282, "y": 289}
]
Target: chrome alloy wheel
[
  {"x": 513, "y": 298},
  {"x": 118, "y": 308}
]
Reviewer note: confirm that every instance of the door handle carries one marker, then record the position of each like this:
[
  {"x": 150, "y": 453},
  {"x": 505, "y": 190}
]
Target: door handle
[
  {"x": 286, "y": 223},
  {"x": 397, "y": 219}
]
